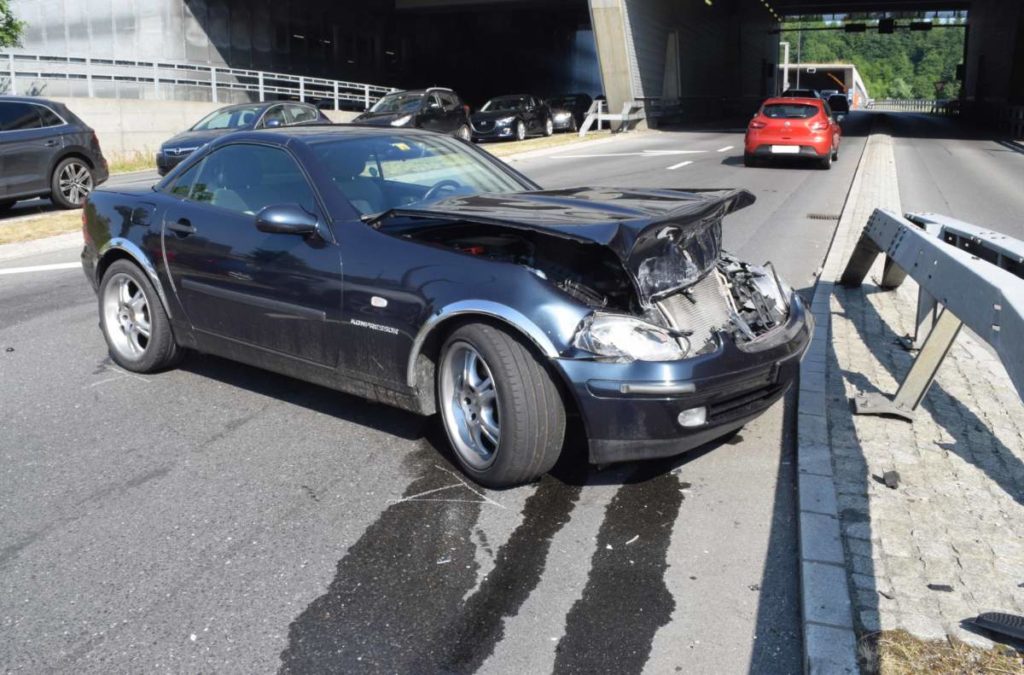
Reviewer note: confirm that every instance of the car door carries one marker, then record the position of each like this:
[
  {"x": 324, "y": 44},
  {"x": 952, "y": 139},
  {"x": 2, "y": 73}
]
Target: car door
[
  {"x": 533, "y": 122},
  {"x": 27, "y": 147},
  {"x": 453, "y": 111},
  {"x": 432, "y": 115},
  {"x": 241, "y": 287}
]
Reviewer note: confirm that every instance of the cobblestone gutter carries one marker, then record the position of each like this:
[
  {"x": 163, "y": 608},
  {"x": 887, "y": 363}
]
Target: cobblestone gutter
[{"x": 956, "y": 521}]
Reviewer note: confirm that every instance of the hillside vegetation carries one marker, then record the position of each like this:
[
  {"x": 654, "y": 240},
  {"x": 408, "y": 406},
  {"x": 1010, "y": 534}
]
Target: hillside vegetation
[{"x": 903, "y": 64}]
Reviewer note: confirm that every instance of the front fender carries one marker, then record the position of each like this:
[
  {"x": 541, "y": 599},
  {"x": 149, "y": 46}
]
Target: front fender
[{"x": 562, "y": 320}]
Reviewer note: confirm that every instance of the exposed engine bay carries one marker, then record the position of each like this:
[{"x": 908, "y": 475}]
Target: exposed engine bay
[{"x": 734, "y": 297}]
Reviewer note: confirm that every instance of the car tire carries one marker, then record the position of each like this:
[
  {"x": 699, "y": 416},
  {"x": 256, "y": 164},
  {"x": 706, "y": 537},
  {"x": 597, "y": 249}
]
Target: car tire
[
  {"x": 573, "y": 126},
  {"x": 549, "y": 126},
  {"x": 71, "y": 182},
  {"x": 129, "y": 307},
  {"x": 6, "y": 206},
  {"x": 499, "y": 406},
  {"x": 520, "y": 130},
  {"x": 835, "y": 154},
  {"x": 748, "y": 160},
  {"x": 463, "y": 133},
  {"x": 826, "y": 162}
]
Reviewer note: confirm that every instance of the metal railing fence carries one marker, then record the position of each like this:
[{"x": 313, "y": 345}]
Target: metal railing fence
[
  {"x": 25, "y": 68},
  {"x": 947, "y": 107}
]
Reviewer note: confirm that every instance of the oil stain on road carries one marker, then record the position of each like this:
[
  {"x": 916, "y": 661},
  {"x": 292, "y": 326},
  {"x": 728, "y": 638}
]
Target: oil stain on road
[{"x": 405, "y": 599}]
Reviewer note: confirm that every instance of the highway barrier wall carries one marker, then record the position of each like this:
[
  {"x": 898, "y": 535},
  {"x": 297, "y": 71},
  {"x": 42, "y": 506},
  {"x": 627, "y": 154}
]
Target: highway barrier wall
[{"x": 132, "y": 129}]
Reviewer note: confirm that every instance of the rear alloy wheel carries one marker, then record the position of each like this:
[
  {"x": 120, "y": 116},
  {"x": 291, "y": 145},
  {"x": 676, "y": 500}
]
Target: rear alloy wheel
[
  {"x": 133, "y": 321},
  {"x": 71, "y": 183},
  {"x": 463, "y": 133},
  {"x": 499, "y": 407},
  {"x": 549, "y": 127},
  {"x": 520, "y": 130}
]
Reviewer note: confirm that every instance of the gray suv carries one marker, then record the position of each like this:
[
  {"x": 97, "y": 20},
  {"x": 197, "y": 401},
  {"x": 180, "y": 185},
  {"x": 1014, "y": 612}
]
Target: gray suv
[{"x": 46, "y": 151}]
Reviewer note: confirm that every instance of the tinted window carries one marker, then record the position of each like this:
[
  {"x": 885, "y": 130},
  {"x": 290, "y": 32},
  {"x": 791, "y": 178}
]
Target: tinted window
[
  {"x": 248, "y": 178},
  {"x": 275, "y": 113},
  {"x": 183, "y": 185},
  {"x": 230, "y": 118},
  {"x": 504, "y": 103},
  {"x": 404, "y": 102},
  {"x": 795, "y": 111},
  {"x": 49, "y": 118},
  {"x": 300, "y": 114},
  {"x": 18, "y": 116}
]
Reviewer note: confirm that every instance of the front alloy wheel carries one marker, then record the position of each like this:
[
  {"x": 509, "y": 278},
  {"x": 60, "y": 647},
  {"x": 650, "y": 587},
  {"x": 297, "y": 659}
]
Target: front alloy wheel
[
  {"x": 71, "y": 183},
  {"x": 520, "y": 130},
  {"x": 499, "y": 406},
  {"x": 549, "y": 127}
]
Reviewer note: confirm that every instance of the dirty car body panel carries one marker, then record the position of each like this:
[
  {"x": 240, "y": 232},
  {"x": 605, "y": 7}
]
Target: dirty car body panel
[{"x": 403, "y": 253}]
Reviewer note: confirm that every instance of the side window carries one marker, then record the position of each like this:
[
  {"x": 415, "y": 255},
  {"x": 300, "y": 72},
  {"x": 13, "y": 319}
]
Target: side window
[
  {"x": 248, "y": 178},
  {"x": 301, "y": 113},
  {"x": 183, "y": 185},
  {"x": 49, "y": 118},
  {"x": 450, "y": 102},
  {"x": 16, "y": 116},
  {"x": 275, "y": 113},
  {"x": 434, "y": 100}
]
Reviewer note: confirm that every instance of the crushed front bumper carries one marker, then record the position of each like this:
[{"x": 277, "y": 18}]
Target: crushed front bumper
[{"x": 631, "y": 410}]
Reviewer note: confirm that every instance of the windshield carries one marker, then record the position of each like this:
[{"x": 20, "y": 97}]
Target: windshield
[
  {"x": 401, "y": 102},
  {"x": 229, "y": 118},
  {"x": 790, "y": 112},
  {"x": 376, "y": 174},
  {"x": 505, "y": 103}
]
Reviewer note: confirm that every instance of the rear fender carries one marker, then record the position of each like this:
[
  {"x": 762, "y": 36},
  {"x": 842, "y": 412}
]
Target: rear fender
[{"x": 119, "y": 247}]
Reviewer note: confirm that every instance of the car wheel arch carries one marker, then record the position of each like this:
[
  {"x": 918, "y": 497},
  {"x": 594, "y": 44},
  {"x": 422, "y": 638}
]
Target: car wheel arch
[
  {"x": 122, "y": 249},
  {"x": 71, "y": 153},
  {"x": 426, "y": 347}
]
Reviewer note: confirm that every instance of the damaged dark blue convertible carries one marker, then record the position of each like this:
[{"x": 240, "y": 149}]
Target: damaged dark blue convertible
[{"x": 416, "y": 270}]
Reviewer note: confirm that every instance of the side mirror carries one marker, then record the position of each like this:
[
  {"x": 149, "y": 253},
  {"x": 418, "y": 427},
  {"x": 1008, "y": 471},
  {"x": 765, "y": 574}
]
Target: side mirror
[
  {"x": 273, "y": 124},
  {"x": 286, "y": 219}
]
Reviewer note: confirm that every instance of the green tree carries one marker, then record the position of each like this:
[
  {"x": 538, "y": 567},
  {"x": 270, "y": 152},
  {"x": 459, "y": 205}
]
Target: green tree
[{"x": 10, "y": 27}]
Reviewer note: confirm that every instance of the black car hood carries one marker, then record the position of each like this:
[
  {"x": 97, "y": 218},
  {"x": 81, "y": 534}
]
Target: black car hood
[
  {"x": 379, "y": 119},
  {"x": 194, "y": 139},
  {"x": 666, "y": 239}
]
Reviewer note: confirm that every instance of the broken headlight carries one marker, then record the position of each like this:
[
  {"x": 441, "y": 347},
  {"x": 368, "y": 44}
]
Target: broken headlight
[{"x": 624, "y": 338}]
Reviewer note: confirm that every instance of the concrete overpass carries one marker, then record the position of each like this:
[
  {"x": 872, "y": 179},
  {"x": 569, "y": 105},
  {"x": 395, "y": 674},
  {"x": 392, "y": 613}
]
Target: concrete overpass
[{"x": 715, "y": 56}]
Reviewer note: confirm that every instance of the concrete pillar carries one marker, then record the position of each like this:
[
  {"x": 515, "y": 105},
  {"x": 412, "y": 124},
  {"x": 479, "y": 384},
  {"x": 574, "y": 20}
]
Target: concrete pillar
[{"x": 608, "y": 18}]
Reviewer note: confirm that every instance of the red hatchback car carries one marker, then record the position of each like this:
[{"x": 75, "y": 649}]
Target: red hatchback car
[{"x": 803, "y": 127}]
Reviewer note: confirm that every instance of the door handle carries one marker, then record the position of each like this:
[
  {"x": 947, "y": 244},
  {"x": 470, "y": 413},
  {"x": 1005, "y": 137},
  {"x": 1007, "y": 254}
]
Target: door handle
[
  {"x": 50, "y": 143},
  {"x": 183, "y": 227}
]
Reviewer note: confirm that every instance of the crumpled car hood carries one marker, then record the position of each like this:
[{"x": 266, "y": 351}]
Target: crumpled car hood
[{"x": 666, "y": 239}]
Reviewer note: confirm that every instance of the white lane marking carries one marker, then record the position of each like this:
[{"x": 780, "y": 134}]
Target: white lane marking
[
  {"x": 679, "y": 165},
  {"x": 645, "y": 153},
  {"x": 725, "y": 149},
  {"x": 41, "y": 268}
]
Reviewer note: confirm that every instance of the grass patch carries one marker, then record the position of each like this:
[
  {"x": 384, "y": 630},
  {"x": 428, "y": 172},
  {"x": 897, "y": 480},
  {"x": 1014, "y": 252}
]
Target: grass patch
[
  {"x": 897, "y": 652},
  {"x": 38, "y": 227},
  {"x": 506, "y": 148},
  {"x": 136, "y": 162}
]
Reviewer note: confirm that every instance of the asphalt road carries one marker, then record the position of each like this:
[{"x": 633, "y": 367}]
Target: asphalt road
[{"x": 220, "y": 518}]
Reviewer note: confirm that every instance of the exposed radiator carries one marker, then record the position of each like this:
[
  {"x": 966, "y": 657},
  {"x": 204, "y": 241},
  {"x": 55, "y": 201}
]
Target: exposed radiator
[{"x": 702, "y": 311}]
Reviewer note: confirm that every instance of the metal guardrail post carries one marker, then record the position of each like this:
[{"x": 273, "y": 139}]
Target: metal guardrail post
[
  {"x": 922, "y": 373},
  {"x": 259, "y": 79},
  {"x": 302, "y": 89},
  {"x": 13, "y": 75},
  {"x": 337, "y": 103},
  {"x": 88, "y": 77},
  {"x": 366, "y": 96},
  {"x": 213, "y": 84},
  {"x": 975, "y": 275},
  {"x": 156, "y": 80}
]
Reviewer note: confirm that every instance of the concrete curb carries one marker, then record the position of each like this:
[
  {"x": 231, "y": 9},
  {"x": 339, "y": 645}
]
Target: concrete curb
[{"x": 829, "y": 640}]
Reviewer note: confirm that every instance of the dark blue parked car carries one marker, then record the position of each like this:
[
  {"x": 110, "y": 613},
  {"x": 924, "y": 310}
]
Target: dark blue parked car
[{"x": 414, "y": 269}]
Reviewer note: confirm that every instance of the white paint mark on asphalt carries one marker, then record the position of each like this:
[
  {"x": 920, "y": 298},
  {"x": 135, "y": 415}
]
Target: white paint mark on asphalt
[
  {"x": 679, "y": 165},
  {"x": 645, "y": 153},
  {"x": 725, "y": 149},
  {"x": 109, "y": 379},
  {"x": 418, "y": 497},
  {"x": 42, "y": 268}
]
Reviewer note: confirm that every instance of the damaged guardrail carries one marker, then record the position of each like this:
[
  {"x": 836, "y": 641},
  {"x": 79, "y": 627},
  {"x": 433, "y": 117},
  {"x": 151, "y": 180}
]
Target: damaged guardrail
[{"x": 966, "y": 275}]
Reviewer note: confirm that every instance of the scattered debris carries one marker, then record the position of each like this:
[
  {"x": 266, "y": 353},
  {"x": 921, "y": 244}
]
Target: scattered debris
[
  {"x": 444, "y": 561},
  {"x": 309, "y": 491},
  {"x": 945, "y": 588},
  {"x": 754, "y": 587},
  {"x": 9, "y": 350},
  {"x": 890, "y": 479},
  {"x": 887, "y": 596},
  {"x": 608, "y": 546},
  {"x": 192, "y": 637},
  {"x": 635, "y": 537}
]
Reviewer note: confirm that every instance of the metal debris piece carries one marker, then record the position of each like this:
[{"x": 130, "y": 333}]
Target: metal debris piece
[
  {"x": 891, "y": 479},
  {"x": 1010, "y": 625},
  {"x": 945, "y": 588}
]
